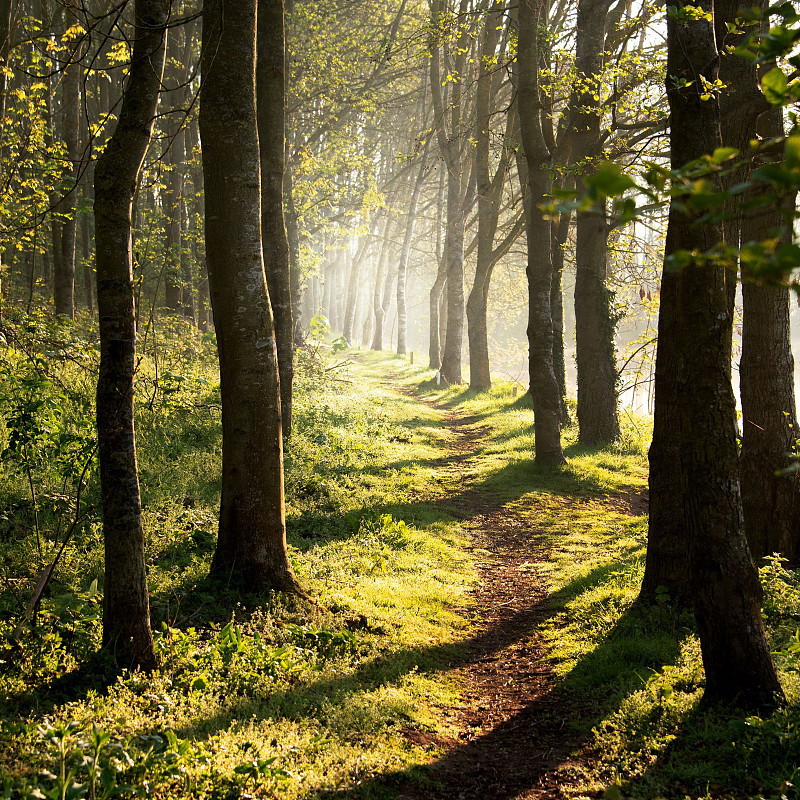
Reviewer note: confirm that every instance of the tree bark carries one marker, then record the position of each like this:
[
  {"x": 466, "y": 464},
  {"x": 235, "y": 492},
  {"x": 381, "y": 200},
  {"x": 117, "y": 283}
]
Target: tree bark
[
  {"x": 173, "y": 198},
  {"x": 726, "y": 593},
  {"x": 770, "y": 501},
  {"x": 6, "y": 18},
  {"x": 598, "y": 421},
  {"x": 448, "y": 121},
  {"x": 377, "y": 295},
  {"x": 126, "y": 609},
  {"x": 559, "y": 234},
  {"x": 667, "y": 559},
  {"x": 543, "y": 386},
  {"x": 251, "y": 547},
  {"x": 402, "y": 266},
  {"x": 489, "y": 192},
  {"x": 270, "y": 88},
  {"x": 64, "y": 279}
]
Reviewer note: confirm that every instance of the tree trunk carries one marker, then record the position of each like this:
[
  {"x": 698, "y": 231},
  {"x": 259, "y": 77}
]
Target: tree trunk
[
  {"x": 6, "y": 16},
  {"x": 173, "y": 198},
  {"x": 70, "y": 108},
  {"x": 667, "y": 560},
  {"x": 434, "y": 337},
  {"x": 454, "y": 258},
  {"x": 448, "y": 120},
  {"x": 293, "y": 240},
  {"x": 543, "y": 386},
  {"x": 402, "y": 266},
  {"x": 594, "y": 329},
  {"x": 86, "y": 239},
  {"x": 270, "y": 85},
  {"x": 435, "y": 296},
  {"x": 726, "y": 593},
  {"x": 126, "y": 609},
  {"x": 352, "y": 288},
  {"x": 251, "y": 547},
  {"x": 559, "y": 234},
  {"x": 770, "y": 501},
  {"x": 377, "y": 295},
  {"x": 489, "y": 195}
]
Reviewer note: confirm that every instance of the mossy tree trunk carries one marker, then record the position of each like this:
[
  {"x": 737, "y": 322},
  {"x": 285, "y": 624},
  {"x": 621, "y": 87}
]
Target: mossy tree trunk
[
  {"x": 543, "y": 386},
  {"x": 270, "y": 87},
  {"x": 126, "y": 609},
  {"x": 251, "y": 547},
  {"x": 598, "y": 420}
]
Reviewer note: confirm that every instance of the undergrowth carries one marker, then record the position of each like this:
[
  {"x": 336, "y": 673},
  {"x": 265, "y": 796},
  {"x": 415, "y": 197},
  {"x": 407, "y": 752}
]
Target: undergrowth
[
  {"x": 262, "y": 696},
  {"x": 255, "y": 695}
]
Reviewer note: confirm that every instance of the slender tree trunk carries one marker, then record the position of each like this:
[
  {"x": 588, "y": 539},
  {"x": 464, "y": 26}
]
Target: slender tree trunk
[
  {"x": 270, "y": 87},
  {"x": 352, "y": 288},
  {"x": 293, "y": 238},
  {"x": 6, "y": 17},
  {"x": 488, "y": 193},
  {"x": 448, "y": 120},
  {"x": 454, "y": 258},
  {"x": 435, "y": 339},
  {"x": 70, "y": 108},
  {"x": 594, "y": 328},
  {"x": 435, "y": 296},
  {"x": 173, "y": 198},
  {"x": 559, "y": 234},
  {"x": 544, "y": 389},
  {"x": 726, "y": 593},
  {"x": 252, "y": 533},
  {"x": 377, "y": 296},
  {"x": 126, "y": 610},
  {"x": 402, "y": 266},
  {"x": 86, "y": 240}
]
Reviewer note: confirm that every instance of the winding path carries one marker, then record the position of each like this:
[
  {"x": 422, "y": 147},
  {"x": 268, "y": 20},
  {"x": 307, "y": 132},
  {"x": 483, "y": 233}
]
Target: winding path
[{"x": 513, "y": 732}]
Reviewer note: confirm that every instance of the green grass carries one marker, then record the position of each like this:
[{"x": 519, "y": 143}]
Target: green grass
[{"x": 265, "y": 696}]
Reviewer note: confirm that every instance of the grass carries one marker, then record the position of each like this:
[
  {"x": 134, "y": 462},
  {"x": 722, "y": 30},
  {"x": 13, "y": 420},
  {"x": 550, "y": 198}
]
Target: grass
[{"x": 262, "y": 696}]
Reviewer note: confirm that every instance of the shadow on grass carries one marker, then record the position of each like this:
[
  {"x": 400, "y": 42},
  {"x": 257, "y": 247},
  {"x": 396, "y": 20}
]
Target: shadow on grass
[
  {"x": 513, "y": 756},
  {"x": 720, "y": 753}
]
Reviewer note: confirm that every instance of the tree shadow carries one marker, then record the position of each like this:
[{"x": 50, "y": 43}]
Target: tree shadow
[
  {"x": 719, "y": 752},
  {"x": 513, "y": 756}
]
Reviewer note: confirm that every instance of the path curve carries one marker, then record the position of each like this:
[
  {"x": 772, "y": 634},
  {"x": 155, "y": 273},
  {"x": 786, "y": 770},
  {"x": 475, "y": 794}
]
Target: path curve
[{"x": 512, "y": 724}]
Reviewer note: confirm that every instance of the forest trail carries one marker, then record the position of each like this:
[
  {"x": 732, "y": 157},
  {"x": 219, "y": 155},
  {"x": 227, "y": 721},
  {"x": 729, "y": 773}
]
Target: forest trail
[{"x": 513, "y": 730}]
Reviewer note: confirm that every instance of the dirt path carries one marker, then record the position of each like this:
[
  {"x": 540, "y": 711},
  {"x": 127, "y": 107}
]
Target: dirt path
[{"x": 513, "y": 731}]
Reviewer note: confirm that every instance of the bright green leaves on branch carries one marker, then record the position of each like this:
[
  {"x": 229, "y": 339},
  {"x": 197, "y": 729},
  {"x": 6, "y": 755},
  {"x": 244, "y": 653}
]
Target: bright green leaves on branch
[
  {"x": 774, "y": 85},
  {"x": 609, "y": 181}
]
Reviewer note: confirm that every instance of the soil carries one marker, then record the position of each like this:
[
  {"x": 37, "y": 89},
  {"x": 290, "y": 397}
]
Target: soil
[{"x": 514, "y": 739}]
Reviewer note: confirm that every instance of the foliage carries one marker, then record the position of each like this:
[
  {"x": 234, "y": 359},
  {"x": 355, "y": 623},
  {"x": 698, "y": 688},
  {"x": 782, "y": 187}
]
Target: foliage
[{"x": 252, "y": 697}]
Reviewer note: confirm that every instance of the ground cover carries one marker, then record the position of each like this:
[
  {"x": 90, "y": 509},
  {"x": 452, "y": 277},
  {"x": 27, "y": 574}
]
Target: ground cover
[{"x": 475, "y": 633}]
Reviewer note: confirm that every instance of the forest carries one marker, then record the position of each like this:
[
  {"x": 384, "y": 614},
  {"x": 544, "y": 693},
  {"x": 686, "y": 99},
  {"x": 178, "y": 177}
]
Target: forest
[{"x": 397, "y": 399}]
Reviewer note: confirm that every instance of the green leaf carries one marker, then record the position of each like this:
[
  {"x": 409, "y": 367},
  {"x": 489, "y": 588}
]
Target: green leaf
[
  {"x": 774, "y": 84},
  {"x": 791, "y": 151},
  {"x": 723, "y": 154},
  {"x": 610, "y": 180}
]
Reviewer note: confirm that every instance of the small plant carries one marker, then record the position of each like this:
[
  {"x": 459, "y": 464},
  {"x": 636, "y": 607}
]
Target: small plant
[{"x": 324, "y": 641}]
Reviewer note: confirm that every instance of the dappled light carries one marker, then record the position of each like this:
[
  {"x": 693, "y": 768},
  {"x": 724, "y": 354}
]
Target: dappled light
[{"x": 397, "y": 400}]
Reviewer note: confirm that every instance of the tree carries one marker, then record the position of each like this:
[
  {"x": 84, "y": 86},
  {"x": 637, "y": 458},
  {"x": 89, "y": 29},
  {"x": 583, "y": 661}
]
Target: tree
[
  {"x": 489, "y": 190},
  {"x": 126, "y": 607},
  {"x": 594, "y": 328},
  {"x": 448, "y": 117},
  {"x": 252, "y": 533},
  {"x": 64, "y": 279},
  {"x": 543, "y": 386},
  {"x": 270, "y": 87},
  {"x": 770, "y": 500},
  {"x": 726, "y": 593}
]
